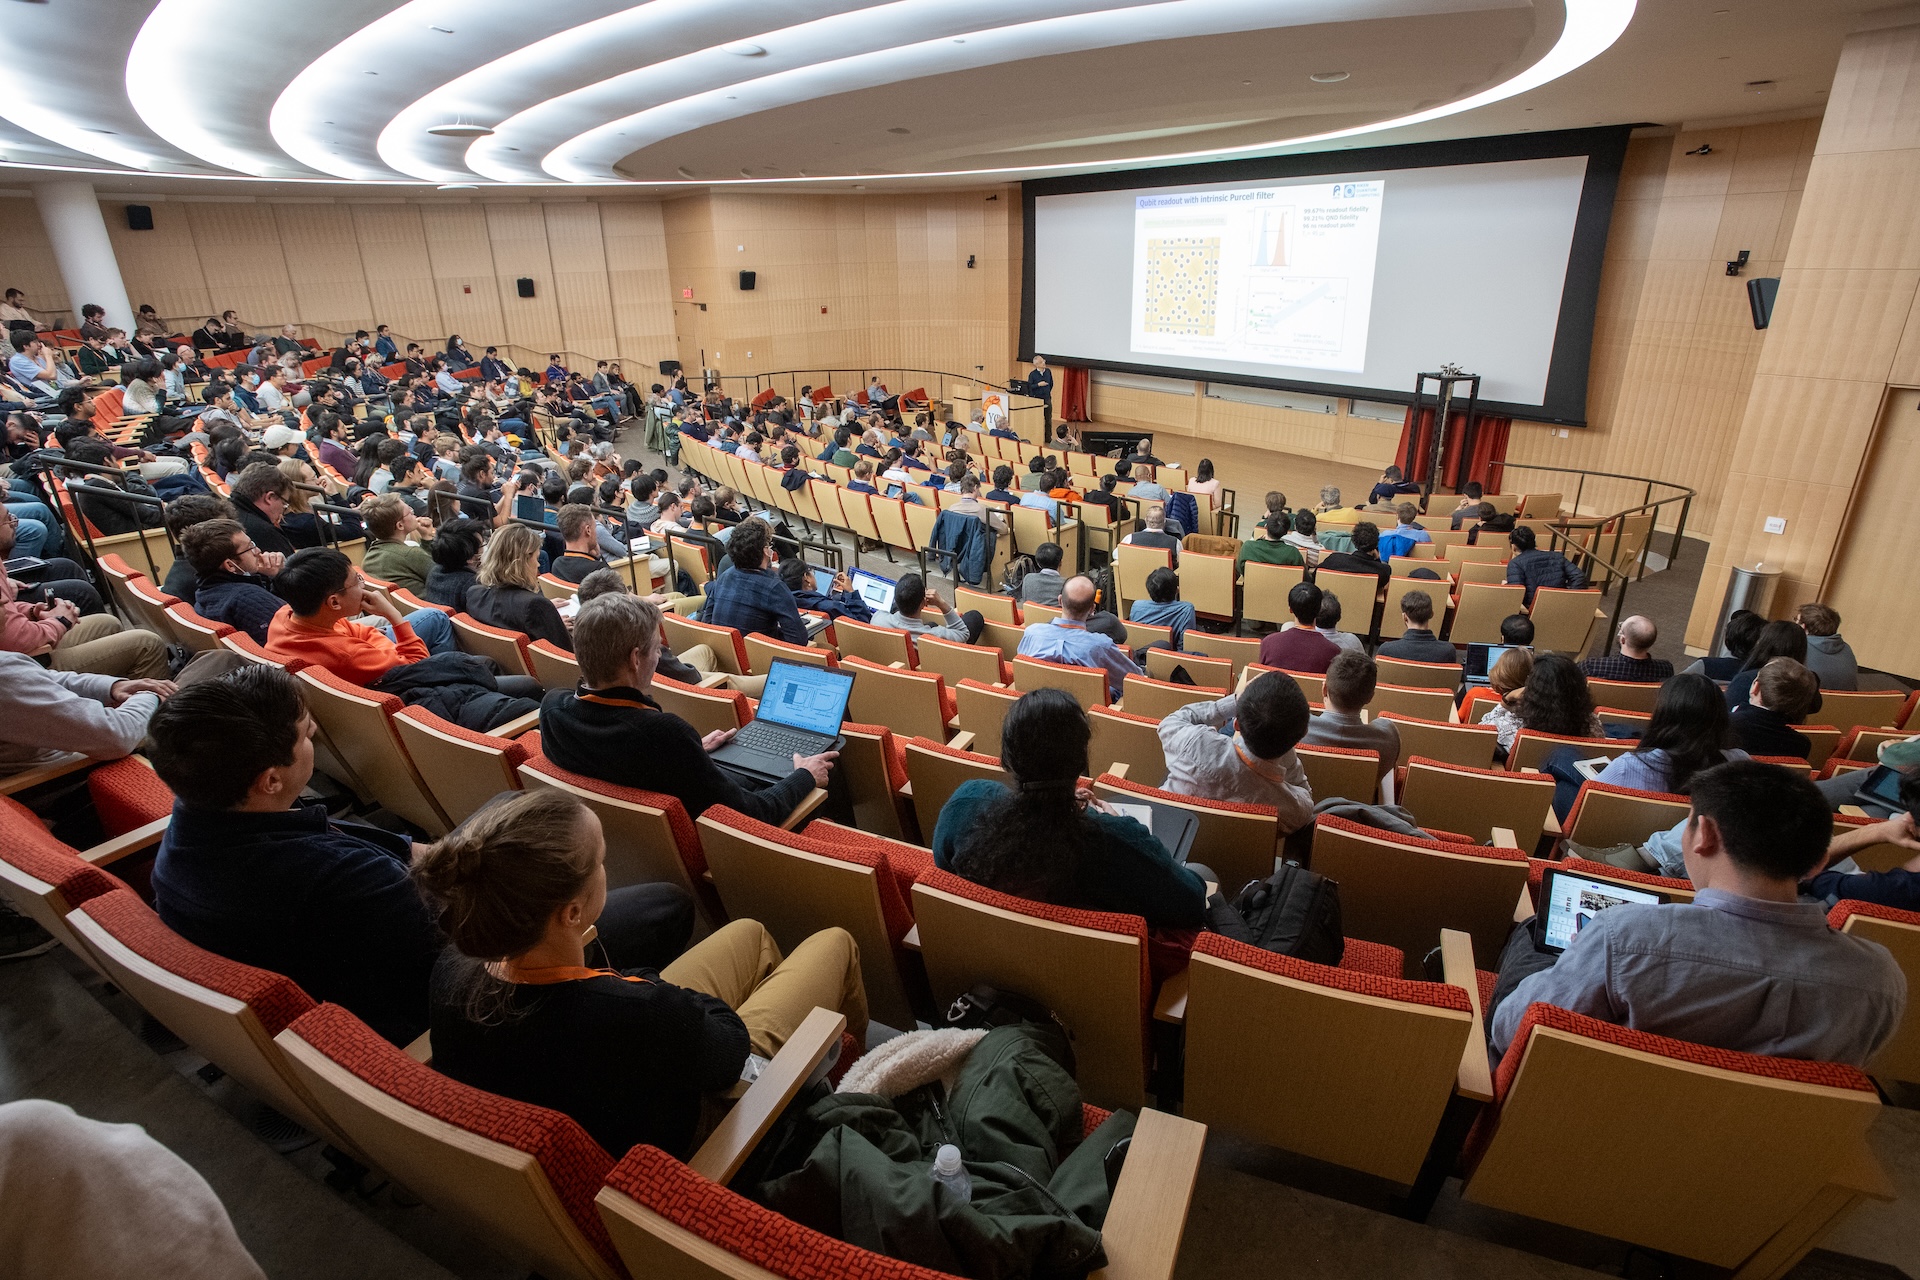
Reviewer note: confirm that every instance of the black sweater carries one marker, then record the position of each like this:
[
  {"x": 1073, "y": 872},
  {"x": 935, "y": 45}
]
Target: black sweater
[
  {"x": 628, "y": 1060},
  {"x": 654, "y": 750},
  {"x": 518, "y": 609}
]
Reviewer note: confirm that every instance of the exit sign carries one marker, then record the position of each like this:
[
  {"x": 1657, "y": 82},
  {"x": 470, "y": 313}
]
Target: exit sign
[{"x": 686, "y": 293}]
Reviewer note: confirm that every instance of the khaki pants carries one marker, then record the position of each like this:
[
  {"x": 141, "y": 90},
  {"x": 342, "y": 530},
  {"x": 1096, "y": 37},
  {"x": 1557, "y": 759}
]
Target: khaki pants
[
  {"x": 752, "y": 686},
  {"x": 699, "y": 657},
  {"x": 99, "y": 645},
  {"x": 741, "y": 965}
]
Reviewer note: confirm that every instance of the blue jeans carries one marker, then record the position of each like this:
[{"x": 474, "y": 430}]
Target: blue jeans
[
  {"x": 33, "y": 534},
  {"x": 434, "y": 628}
]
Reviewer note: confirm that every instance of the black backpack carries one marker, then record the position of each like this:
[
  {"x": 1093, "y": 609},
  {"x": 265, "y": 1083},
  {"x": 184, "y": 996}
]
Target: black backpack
[
  {"x": 1295, "y": 912},
  {"x": 1016, "y": 571}
]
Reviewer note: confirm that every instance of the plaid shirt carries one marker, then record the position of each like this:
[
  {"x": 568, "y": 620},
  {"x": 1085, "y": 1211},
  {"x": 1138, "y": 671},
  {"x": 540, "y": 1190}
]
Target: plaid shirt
[
  {"x": 1618, "y": 666},
  {"x": 754, "y": 602}
]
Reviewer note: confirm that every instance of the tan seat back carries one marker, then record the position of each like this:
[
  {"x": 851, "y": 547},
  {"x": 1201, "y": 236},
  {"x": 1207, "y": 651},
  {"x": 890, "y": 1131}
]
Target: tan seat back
[
  {"x": 1624, "y": 695},
  {"x": 907, "y": 702},
  {"x": 1206, "y": 582},
  {"x": 1448, "y": 798},
  {"x": 983, "y": 709},
  {"x": 503, "y": 646},
  {"x": 1422, "y": 704},
  {"x": 1211, "y": 673},
  {"x": 1403, "y": 892},
  {"x": 641, "y": 848},
  {"x": 1564, "y": 620},
  {"x": 1874, "y": 709},
  {"x": 1419, "y": 675},
  {"x": 1002, "y": 636},
  {"x": 1233, "y": 648},
  {"x": 1120, "y": 737},
  {"x": 877, "y": 644},
  {"x": 684, "y": 633},
  {"x": 867, "y": 771},
  {"x": 1132, "y": 564},
  {"x": 1530, "y": 749},
  {"x": 992, "y": 607},
  {"x": 956, "y": 661},
  {"x": 1899, "y": 933},
  {"x": 1603, "y": 816},
  {"x": 935, "y": 773},
  {"x": 462, "y": 769},
  {"x": 359, "y": 727},
  {"x": 1468, "y": 744},
  {"x": 707, "y": 711},
  {"x": 1481, "y": 608},
  {"x": 761, "y": 653},
  {"x": 1345, "y": 772},
  {"x": 1238, "y": 845},
  {"x": 553, "y": 666},
  {"x": 1158, "y": 699},
  {"x": 1088, "y": 685}
]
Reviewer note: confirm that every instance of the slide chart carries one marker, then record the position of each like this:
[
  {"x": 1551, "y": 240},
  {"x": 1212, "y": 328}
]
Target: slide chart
[{"x": 1279, "y": 275}]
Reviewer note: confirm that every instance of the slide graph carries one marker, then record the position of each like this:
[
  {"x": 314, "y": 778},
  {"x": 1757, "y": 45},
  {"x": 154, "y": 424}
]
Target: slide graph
[{"x": 1279, "y": 275}]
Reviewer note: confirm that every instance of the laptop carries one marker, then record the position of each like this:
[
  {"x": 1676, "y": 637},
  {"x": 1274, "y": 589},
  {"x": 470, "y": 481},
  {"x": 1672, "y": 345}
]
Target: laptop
[
  {"x": 875, "y": 590},
  {"x": 1568, "y": 901},
  {"x": 1480, "y": 660},
  {"x": 801, "y": 710}
]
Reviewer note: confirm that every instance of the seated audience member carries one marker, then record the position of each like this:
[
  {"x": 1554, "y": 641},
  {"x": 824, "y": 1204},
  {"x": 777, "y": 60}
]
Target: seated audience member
[
  {"x": 750, "y": 597},
  {"x": 1271, "y": 546},
  {"x": 1417, "y": 643},
  {"x": 1828, "y": 656},
  {"x": 182, "y": 514},
  {"x": 324, "y": 592},
  {"x": 390, "y": 556},
  {"x": 1072, "y": 639},
  {"x": 911, "y": 599},
  {"x": 1742, "y": 629},
  {"x": 613, "y": 730},
  {"x": 842, "y": 601},
  {"x": 456, "y": 560},
  {"x": 1146, "y": 489},
  {"x": 1329, "y": 499},
  {"x": 508, "y": 595},
  {"x": 1508, "y": 679},
  {"x": 1391, "y": 484},
  {"x": 862, "y": 481},
  {"x": 1468, "y": 508},
  {"x": 1155, "y": 534},
  {"x": 44, "y": 714},
  {"x": 1491, "y": 521},
  {"x": 1778, "y": 639},
  {"x": 1163, "y": 606},
  {"x": 1256, "y": 764},
  {"x": 1300, "y": 647},
  {"x": 582, "y": 536},
  {"x": 1532, "y": 568},
  {"x": 1364, "y": 558},
  {"x": 688, "y": 667},
  {"x": 260, "y": 495},
  {"x": 1409, "y": 526},
  {"x": 1328, "y": 624},
  {"x": 1042, "y": 586},
  {"x": 1689, "y": 733},
  {"x": 1746, "y": 966},
  {"x": 1898, "y": 887},
  {"x": 1351, "y": 679},
  {"x": 1517, "y": 629},
  {"x": 234, "y": 587},
  {"x": 47, "y": 620},
  {"x": 1782, "y": 692},
  {"x": 627, "y": 1050},
  {"x": 1047, "y": 840},
  {"x": 1036, "y": 476},
  {"x": 1002, "y": 477},
  {"x": 1634, "y": 662},
  {"x": 250, "y": 873},
  {"x": 1303, "y": 538},
  {"x": 1554, "y": 698}
]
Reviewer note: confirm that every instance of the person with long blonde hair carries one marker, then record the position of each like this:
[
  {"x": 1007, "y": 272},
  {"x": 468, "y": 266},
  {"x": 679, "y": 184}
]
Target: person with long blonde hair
[{"x": 507, "y": 592}]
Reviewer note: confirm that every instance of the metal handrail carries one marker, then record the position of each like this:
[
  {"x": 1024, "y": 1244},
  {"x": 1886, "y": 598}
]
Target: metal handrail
[{"x": 113, "y": 493}]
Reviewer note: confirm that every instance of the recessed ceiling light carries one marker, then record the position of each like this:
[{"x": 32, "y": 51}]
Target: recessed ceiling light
[
  {"x": 959, "y": 39},
  {"x": 898, "y": 129},
  {"x": 744, "y": 49},
  {"x": 684, "y": 172},
  {"x": 1246, "y": 82},
  {"x": 110, "y": 133},
  {"x": 1761, "y": 86},
  {"x": 459, "y": 130},
  {"x": 1329, "y": 77},
  {"x": 445, "y": 31},
  {"x": 373, "y": 73},
  {"x": 459, "y": 186}
]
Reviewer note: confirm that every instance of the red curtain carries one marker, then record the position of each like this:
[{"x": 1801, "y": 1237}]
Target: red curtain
[
  {"x": 1073, "y": 394},
  {"x": 1485, "y": 464}
]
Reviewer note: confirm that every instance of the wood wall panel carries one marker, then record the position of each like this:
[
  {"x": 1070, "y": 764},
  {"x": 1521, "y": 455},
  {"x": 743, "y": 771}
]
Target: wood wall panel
[
  {"x": 460, "y": 254},
  {"x": 393, "y": 252},
  {"x": 1806, "y": 446},
  {"x": 161, "y": 267},
  {"x": 322, "y": 251},
  {"x": 518, "y": 236},
  {"x": 243, "y": 262},
  {"x": 576, "y": 246},
  {"x": 639, "y": 286}
]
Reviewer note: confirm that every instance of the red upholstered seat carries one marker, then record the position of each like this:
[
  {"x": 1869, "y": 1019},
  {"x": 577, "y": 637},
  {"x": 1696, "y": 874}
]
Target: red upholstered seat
[
  {"x": 1156, "y": 793},
  {"x": 573, "y": 1162},
  {"x": 1375, "y": 958},
  {"x": 847, "y": 845},
  {"x": 686, "y": 836},
  {"x": 516, "y": 750},
  {"x": 276, "y": 1000},
  {"x": 127, "y": 794},
  {"x": 1457, "y": 845},
  {"x": 1847, "y": 908},
  {"x": 1363, "y": 981},
  {"x": 741, "y": 706},
  {"x": 30, "y": 848},
  {"x": 1573, "y": 814}
]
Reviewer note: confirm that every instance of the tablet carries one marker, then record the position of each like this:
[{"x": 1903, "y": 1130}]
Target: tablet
[
  {"x": 1883, "y": 785},
  {"x": 823, "y": 581},
  {"x": 1568, "y": 901}
]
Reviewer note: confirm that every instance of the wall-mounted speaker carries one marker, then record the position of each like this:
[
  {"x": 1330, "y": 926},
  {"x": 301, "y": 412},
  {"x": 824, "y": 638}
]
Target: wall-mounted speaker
[
  {"x": 139, "y": 217},
  {"x": 1761, "y": 291},
  {"x": 747, "y": 278},
  {"x": 524, "y": 286},
  {"x": 669, "y": 367}
]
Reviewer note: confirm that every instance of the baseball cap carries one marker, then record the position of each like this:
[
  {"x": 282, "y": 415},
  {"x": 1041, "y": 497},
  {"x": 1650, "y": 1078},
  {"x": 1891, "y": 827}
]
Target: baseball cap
[
  {"x": 279, "y": 437},
  {"x": 1902, "y": 755}
]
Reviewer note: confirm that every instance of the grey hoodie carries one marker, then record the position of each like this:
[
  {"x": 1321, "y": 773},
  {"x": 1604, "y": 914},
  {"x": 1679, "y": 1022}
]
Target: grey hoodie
[{"x": 1831, "y": 658}]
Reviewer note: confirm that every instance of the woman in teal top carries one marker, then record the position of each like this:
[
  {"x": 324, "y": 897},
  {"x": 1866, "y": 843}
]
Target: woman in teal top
[{"x": 1048, "y": 840}]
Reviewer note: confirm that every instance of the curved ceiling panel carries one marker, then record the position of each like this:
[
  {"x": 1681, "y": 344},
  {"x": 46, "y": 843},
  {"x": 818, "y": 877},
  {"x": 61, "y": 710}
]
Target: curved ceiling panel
[{"x": 708, "y": 92}]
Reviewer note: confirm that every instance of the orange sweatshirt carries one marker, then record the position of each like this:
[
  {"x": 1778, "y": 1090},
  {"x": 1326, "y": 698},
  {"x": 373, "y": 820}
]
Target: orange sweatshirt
[{"x": 351, "y": 650}]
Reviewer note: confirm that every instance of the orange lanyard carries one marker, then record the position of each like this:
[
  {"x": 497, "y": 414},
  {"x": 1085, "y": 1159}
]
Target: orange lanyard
[
  {"x": 603, "y": 700},
  {"x": 1253, "y": 765},
  {"x": 547, "y": 975}
]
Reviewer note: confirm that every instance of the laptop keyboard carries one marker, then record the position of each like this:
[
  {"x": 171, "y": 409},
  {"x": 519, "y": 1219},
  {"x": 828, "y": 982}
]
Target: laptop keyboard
[{"x": 777, "y": 739}]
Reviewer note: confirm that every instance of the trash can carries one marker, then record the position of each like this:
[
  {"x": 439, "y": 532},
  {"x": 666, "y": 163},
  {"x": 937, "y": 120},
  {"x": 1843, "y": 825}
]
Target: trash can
[{"x": 1748, "y": 587}]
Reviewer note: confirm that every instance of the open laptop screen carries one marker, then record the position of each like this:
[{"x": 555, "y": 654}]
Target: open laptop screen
[
  {"x": 806, "y": 697},
  {"x": 1480, "y": 660},
  {"x": 1570, "y": 901},
  {"x": 875, "y": 590}
]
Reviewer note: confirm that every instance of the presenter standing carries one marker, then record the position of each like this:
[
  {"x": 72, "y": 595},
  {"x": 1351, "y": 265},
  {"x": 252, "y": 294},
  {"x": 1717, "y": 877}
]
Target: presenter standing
[{"x": 1040, "y": 384}]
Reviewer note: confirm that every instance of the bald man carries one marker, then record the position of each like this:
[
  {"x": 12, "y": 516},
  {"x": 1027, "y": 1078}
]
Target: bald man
[
  {"x": 1067, "y": 639},
  {"x": 1634, "y": 663}
]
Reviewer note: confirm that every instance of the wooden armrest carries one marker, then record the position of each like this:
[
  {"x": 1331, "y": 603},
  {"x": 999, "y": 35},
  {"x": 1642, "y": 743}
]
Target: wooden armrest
[
  {"x": 714, "y": 680},
  {"x": 963, "y": 740},
  {"x": 517, "y": 726},
  {"x": 1148, "y": 1214},
  {"x": 134, "y": 841},
  {"x": 906, "y": 789},
  {"x": 1388, "y": 788},
  {"x": 1503, "y": 838},
  {"x": 1862, "y": 1171},
  {"x": 911, "y": 939},
  {"x": 805, "y": 809},
  {"x": 421, "y": 1050},
  {"x": 1523, "y": 908},
  {"x": 1171, "y": 1006},
  {"x": 1118, "y": 768},
  {"x": 721, "y": 1156},
  {"x": 1853, "y": 811},
  {"x": 27, "y": 779},
  {"x": 1552, "y": 825},
  {"x": 896, "y": 666},
  {"x": 1475, "y": 1079}
]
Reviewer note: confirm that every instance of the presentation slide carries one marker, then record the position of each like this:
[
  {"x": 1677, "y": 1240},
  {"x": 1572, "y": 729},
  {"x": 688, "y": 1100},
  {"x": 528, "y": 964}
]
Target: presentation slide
[
  {"x": 1273, "y": 275},
  {"x": 1351, "y": 281}
]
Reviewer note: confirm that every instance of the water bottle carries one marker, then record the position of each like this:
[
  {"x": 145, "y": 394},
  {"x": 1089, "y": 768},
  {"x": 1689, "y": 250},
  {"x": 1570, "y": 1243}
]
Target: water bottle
[{"x": 951, "y": 1174}]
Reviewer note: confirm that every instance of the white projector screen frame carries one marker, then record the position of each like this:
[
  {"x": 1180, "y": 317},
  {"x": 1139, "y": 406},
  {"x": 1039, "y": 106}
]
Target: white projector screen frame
[{"x": 1345, "y": 272}]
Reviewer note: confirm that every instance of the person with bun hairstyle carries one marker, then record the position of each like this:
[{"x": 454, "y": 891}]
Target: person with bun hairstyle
[{"x": 629, "y": 1049}]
